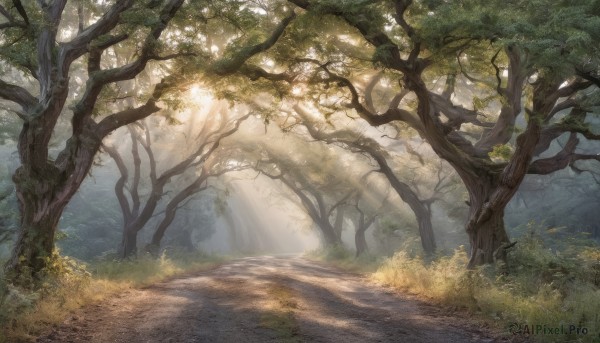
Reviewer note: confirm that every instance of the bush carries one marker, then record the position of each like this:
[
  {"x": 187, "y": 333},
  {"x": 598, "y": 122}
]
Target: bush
[
  {"x": 345, "y": 259},
  {"x": 543, "y": 287},
  {"x": 67, "y": 285},
  {"x": 147, "y": 270}
]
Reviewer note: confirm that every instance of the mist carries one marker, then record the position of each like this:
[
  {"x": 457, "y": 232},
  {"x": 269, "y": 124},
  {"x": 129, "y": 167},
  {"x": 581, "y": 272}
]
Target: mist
[{"x": 206, "y": 170}]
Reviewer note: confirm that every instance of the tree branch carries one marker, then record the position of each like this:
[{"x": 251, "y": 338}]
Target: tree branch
[
  {"x": 228, "y": 66},
  {"x": 18, "y": 95},
  {"x": 559, "y": 161},
  {"x": 369, "y": 92},
  {"x": 19, "y": 6},
  {"x": 79, "y": 45},
  {"x": 137, "y": 161},
  {"x": 392, "y": 114}
]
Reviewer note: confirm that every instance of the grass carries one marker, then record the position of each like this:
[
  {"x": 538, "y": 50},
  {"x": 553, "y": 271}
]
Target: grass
[
  {"x": 280, "y": 314},
  {"x": 342, "y": 258},
  {"x": 544, "y": 288},
  {"x": 25, "y": 314}
]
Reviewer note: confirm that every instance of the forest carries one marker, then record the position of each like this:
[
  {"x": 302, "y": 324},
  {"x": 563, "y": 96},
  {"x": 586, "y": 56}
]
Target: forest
[{"x": 299, "y": 170}]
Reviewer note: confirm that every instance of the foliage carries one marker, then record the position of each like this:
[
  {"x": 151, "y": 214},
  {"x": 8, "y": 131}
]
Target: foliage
[
  {"x": 344, "y": 259},
  {"x": 568, "y": 210},
  {"x": 66, "y": 285},
  {"x": 332, "y": 253},
  {"x": 90, "y": 224},
  {"x": 543, "y": 286},
  {"x": 397, "y": 232},
  {"x": 501, "y": 152},
  {"x": 70, "y": 284},
  {"x": 558, "y": 36},
  {"x": 146, "y": 270},
  {"x": 9, "y": 127},
  {"x": 8, "y": 211}
]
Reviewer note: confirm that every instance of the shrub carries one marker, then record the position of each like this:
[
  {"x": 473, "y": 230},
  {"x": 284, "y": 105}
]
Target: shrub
[
  {"x": 544, "y": 286},
  {"x": 67, "y": 284}
]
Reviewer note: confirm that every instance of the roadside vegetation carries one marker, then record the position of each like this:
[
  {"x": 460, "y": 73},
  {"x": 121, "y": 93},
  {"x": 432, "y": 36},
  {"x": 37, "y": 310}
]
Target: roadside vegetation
[
  {"x": 70, "y": 284},
  {"x": 416, "y": 132},
  {"x": 550, "y": 281}
]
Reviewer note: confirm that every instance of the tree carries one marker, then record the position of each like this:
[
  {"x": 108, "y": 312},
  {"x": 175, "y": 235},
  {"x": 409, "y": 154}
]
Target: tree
[
  {"x": 370, "y": 147},
  {"x": 312, "y": 174},
  {"x": 531, "y": 60},
  {"x": 312, "y": 199},
  {"x": 215, "y": 166},
  {"x": 40, "y": 41},
  {"x": 137, "y": 212},
  {"x": 367, "y": 213}
]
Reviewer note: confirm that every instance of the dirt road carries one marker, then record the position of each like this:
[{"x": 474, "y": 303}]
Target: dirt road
[{"x": 265, "y": 299}]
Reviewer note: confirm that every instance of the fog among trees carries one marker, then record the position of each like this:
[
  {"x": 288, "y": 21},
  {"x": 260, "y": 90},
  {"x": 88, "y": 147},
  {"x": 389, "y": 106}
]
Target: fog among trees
[{"x": 362, "y": 129}]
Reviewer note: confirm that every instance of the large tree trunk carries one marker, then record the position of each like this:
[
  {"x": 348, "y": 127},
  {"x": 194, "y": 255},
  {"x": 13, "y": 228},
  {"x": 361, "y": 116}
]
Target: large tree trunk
[
  {"x": 487, "y": 234},
  {"x": 489, "y": 240},
  {"x": 43, "y": 191},
  {"x": 40, "y": 214}
]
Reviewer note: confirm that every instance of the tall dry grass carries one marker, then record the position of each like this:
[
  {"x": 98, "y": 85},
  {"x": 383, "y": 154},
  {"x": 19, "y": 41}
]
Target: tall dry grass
[
  {"x": 69, "y": 284},
  {"x": 543, "y": 288}
]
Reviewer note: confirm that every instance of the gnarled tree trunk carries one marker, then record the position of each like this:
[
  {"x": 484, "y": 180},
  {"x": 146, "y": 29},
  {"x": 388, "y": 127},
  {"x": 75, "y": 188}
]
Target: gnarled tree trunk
[
  {"x": 489, "y": 240},
  {"x": 43, "y": 191},
  {"x": 39, "y": 220}
]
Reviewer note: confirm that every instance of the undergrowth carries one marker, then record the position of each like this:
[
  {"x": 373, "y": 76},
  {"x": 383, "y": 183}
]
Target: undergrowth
[
  {"x": 551, "y": 292},
  {"x": 547, "y": 295},
  {"x": 69, "y": 284},
  {"x": 345, "y": 259}
]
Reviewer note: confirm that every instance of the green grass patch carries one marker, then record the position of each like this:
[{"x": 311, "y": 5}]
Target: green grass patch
[
  {"x": 342, "y": 258},
  {"x": 279, "y": 316}
]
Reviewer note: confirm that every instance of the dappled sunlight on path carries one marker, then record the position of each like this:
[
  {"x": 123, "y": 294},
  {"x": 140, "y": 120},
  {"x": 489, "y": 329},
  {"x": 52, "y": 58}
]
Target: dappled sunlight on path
[{"x": 258, "y": 299}]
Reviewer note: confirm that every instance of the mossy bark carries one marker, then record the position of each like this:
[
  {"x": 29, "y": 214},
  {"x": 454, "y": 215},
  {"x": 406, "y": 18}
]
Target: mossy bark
[{"x": 40, "y": 214}]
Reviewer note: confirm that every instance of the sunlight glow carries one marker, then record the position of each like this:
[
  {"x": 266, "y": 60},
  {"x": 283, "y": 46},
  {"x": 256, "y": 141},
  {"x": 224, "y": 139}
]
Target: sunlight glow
[
  {"x": 297, "y": 90},
  {"x": 200, "y": 97}
]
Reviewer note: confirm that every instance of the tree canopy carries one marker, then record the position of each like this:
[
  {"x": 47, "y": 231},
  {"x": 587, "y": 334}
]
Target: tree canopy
[{"x": 498, "y": 90}]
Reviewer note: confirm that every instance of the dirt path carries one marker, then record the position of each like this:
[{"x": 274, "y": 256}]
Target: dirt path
[{"x": 262, "y": 299}]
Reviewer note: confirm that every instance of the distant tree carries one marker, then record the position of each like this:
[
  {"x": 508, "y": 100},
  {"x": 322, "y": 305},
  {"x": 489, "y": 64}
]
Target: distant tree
[
  {"x": 367, "y": 214},
  {"x": 357, "y": 143},
  {"x": 315, "y": 180},
  {"x": 201, "y": 162},
  {"x": 194, "y": 223}
]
